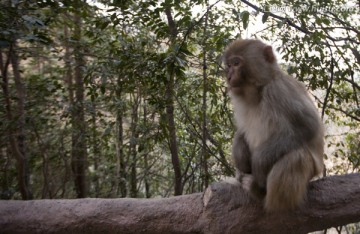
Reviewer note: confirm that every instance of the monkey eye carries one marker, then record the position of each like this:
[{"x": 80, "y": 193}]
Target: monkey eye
[{"x": 235, "y": 61}]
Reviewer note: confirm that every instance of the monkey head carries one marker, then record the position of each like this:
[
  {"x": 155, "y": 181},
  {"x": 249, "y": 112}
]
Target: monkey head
[{"x": 248, "y": 63}]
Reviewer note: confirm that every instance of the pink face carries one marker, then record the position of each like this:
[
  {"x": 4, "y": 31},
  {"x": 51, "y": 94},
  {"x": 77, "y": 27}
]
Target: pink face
[{"x": 234, "y": 65}]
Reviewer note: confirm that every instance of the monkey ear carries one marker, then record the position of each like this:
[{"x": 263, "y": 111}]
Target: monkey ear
[{"x": 269, "y": 54}]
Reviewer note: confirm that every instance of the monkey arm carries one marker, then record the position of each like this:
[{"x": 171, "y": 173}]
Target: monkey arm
[
  {"x": 242, "y": 159},
  {"x": 241, "y": 154}
]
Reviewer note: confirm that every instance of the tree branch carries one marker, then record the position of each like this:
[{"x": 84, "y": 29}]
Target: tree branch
[
  {"x": 285, "y": 20},
  {"x": 222, "y": 208},
  {"x": 292, "y": 24}
]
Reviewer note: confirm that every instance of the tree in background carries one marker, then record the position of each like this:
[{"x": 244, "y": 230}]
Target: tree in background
[{"x": 126, "y": 98}]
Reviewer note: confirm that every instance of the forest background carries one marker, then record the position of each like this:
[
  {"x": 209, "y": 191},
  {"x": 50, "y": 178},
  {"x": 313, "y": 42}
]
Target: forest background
[{"x": 127, "y": 98}]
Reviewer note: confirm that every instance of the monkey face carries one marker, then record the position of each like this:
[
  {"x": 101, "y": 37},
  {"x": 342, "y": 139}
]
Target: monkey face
[
  {"x": 234, "y": 66},
  {"x": 248, "y": 63}
]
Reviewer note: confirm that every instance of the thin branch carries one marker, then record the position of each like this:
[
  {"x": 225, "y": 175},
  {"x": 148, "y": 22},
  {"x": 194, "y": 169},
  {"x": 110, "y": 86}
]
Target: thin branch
[
  {"x": 338, "y": 109},
  {"x": 328, "y": 90},
  {"x": 285, "y": 20},
  {"x": 346, "y": 113},
  {"x": 292, "y": 24},
  {"x": 194, "y": 129},
  {"x": 196, "y": 23},
  {"x": 346, "y": 25}
]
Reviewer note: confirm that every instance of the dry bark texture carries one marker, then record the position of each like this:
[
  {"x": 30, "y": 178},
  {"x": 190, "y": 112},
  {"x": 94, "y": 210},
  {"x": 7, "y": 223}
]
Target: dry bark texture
[{"x": 222, "y": 208}]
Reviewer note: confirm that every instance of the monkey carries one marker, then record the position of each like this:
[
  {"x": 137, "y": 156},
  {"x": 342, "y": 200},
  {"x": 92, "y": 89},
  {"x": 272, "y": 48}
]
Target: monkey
[{"x": 279, "y": 142}]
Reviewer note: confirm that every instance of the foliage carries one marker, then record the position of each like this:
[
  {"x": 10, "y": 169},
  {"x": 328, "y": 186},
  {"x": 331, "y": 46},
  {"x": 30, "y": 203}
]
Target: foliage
[{"x": 128, "y": 48}]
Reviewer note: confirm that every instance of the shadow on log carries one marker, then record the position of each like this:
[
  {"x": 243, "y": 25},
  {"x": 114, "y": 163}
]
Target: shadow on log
[{"x": 222, "y": 208}]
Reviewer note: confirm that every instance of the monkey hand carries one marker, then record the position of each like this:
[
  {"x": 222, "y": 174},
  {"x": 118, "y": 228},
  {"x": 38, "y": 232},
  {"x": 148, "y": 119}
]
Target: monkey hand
[{"x": 246, "y": 181}]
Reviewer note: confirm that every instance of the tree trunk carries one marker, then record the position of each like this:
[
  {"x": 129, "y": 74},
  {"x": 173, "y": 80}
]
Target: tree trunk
[
  {"x": 172, "y": 135},
  {"x": 144, "y": 151},
  {"x": 68, "y": 80},
  {"x": 169, "y": 95},
  {"x": 222, "y": 208},
  {"x": 121, "y": 173},
  {"x": 79, "y": 153},
  {"x": 16, "y": 134},
  {"x": 46, "y": 189},
  {"x": 96, "y": 149},
  {"x": 204, "y": 155},
  {"x": 21, "y": 96},
  {"x": 132, "y": 148}
]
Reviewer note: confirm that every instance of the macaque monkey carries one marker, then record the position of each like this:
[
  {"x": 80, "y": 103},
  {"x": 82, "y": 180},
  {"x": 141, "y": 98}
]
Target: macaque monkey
[{"x": 278, "y": 146}]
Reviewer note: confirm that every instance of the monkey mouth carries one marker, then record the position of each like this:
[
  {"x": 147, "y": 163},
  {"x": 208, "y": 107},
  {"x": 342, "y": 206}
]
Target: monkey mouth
[
  {"x": 235, "y": 90},
  {"x": 236, "y": 83}
]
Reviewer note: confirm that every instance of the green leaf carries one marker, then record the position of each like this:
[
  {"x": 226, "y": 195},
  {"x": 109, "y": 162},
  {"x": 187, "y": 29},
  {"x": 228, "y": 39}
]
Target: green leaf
[
  {"x": 107, "y": 131},
  {"x": 265, "y": 16},
  {"x": 235, "y": 13},
  {"x": 280, "y": 23},
  {"x": 245, "y": 18},
  {"x": 318, "y": 21},
  {"x": 326, "y": 21}
]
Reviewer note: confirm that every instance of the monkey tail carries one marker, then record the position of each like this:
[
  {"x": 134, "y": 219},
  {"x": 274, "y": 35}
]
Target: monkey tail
[{"x": 288, "y": 180}]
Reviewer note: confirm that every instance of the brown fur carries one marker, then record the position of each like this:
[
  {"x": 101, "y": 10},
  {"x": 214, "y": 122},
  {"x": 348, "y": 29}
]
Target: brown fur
[{"x": 279, "y": 142}]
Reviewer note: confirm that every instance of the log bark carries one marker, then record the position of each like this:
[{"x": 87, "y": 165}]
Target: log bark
[{"x": 222, "y": 208}]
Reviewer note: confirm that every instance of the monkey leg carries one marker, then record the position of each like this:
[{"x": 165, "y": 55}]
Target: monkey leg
[{"x": 288, "y": 180}]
